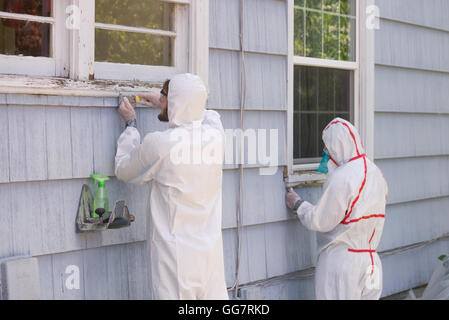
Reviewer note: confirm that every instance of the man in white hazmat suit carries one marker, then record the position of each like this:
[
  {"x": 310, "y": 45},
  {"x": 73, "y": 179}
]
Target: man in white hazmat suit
[
  {"x": 184, "y": 163},
  {"x": 349, "y": 217}
]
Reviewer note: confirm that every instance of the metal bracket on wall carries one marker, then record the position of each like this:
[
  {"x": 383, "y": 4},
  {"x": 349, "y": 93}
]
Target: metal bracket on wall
[{"x": 119, "y": 217}]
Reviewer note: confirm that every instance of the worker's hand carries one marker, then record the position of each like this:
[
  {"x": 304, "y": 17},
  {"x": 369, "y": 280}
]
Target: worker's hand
[
  {"x": 291, "y": 198},
  {"x": 126, "y": 110},
  {"x": 151, "y": 99}
]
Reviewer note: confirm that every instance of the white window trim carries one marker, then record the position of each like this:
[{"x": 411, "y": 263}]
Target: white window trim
[
  {"x": 363, "y": 69},
  {"x": 57, "y": 64},
  {"x": 125, "y": 71},
  {"x": 81, "y": 59}
]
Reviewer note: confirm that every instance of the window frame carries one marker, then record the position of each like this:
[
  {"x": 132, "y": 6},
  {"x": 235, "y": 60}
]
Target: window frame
[
  {"x": 74, "y": 50},
  {"x": 58, "y": 64},
  {"x": 125, "y": 71},
  {"x": 363, "y": 88}
]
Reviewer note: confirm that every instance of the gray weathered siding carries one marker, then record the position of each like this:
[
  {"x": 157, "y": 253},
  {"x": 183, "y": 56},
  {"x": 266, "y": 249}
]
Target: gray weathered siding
[
  {"x": 273, "y": 244},
  {"x": 52, "y": 145},
  {"x": 411, "y": 130}
]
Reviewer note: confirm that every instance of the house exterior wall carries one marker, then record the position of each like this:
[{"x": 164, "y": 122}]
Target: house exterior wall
[
  {"x": 411, "y": 130},
  {"x": 52, "y": 145},
  {"x": 273, "y": 243}
]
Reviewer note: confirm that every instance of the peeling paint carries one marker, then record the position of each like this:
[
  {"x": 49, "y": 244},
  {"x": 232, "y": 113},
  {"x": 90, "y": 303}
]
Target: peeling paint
[{"x": 64, "y": 86}]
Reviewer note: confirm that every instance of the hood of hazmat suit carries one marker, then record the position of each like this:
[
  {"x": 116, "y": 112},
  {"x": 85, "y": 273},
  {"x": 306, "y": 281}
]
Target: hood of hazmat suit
[
  {"x": 184, "y": 164},
  {"x": 349, "y": 219}
]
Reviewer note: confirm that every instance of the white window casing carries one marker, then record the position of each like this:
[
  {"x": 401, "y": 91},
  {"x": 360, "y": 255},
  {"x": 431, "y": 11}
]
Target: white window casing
[
  {"x": 199, "y": 42},
  {"x": 73, "y": 53},
  {"x": 363, "y": 68},
  {"x": 55, "y": 66},
  {"x": 82, "y": 42}
]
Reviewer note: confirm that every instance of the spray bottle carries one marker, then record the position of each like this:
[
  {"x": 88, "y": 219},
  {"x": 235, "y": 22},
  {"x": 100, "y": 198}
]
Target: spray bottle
[{"x": 101, "y": 200}]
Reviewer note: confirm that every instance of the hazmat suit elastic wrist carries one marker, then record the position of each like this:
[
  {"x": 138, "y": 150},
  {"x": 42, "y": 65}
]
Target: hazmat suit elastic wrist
[
  {"x": 298, "y": 203},
  {"x": 131, "y": 123}
]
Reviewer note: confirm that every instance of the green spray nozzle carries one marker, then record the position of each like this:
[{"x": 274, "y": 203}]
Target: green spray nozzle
[
  {"x": 101, "y": 200},
  {"x": 100, "y": 179}
]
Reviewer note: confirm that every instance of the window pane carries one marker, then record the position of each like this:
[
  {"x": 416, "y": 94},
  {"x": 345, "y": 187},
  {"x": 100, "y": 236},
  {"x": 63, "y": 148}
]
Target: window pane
[
  {"x": 330, "y": 40},
  {"x": 323, "y": 120},
  {"x": 314, "y": 4},
  {"x": 327, "y": 27},
  {"x": 306, "y": 81},
  {"x": 129, "y": 47},
  {"x": 320, "y": 95},
  {"x": 347, "y": 39},
  {"x": 299, "y": 32},
  {"x": 297, "y": 137},
  {"x": 314, "y": 27},
  {"x": 344, "y": 90},
  {"x": 326, "y": 90},
  {"x": 32, "y": 7},
  {"x": 24, "y": 38},
  {"x": 151, "y": 14},
  {"x": 309, "y": 136},
  {"x": 134, "y": 48},
  {"x": 331, "y": 6},
  {"x": 348, "y": 7}
]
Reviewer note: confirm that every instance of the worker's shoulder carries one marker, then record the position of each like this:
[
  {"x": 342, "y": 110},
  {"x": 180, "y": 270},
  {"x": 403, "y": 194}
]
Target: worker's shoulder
[
  {"x": 156, "y": 139},
  {"x": 166, "y": 137},
  {"x": 211, "y": 113},
  {"x": 154, "y": 135},
  {"x": 212, "y": 118},
  {"x": 345, "y": 174}
]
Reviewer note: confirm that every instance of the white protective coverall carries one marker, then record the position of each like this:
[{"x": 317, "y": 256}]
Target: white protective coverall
[
  {"x": 349, "y": 218},
  {"x": 184, "y": 234}
]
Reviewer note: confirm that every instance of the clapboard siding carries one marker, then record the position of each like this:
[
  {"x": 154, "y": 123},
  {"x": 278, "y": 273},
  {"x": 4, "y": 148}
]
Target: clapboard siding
[
  {"x": 264, "y": 25},
  {"x": 81, "y": 141},
  {"x": 264, "y": 206},
  {"x": 399, "y": 135},
  {"x": 411, "y": 179},
  {"x": 111, "y": 272},
  {"x": 416, "y": 267},
  {"x": 410, "y": 269},
  {"x": 54, "y": 100},
  {"x": 428, "y": 13},
  {"x": 410, "y": 46},
  {"x": 284, "y": 289},
  {"x": 265, "y": 80},
  {"x": 224, "y": 29},
  {"x": 411, "y": 91},
  {"x": 411, "y": 129},
  {"x": 273, "y": 243},
  {"x": 224, "y": 79},
  {"x": 268, "y": 250},
  {"x": 266, "y": 85},
  {"x": 414, "y": 222},
  {"x": 4, "y": 147},
  {"x": 54, "y": 143},
  {"x": 17, "y": 144},
  {"x": 59, "y": 150},
  {"x": 41, "y": 217},
  {"x": 253, "y": 123},
  {"x": 265, "y": 22}
]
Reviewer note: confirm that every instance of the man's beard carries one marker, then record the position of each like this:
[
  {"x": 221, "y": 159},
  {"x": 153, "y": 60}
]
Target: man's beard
[{"x": 163, "y": 116}]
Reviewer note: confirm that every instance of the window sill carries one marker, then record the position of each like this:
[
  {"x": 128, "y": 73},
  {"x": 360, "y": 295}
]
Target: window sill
[
  {"x": 69, "y": 87},
  {"x": 305, "y": 178}
]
